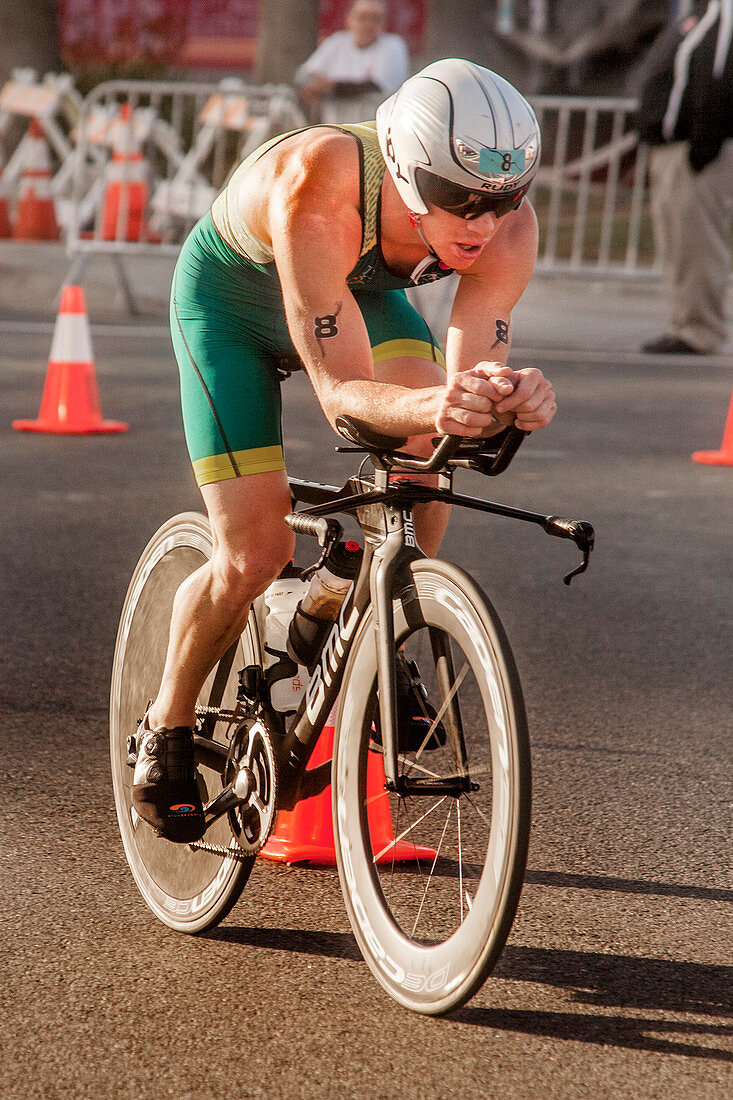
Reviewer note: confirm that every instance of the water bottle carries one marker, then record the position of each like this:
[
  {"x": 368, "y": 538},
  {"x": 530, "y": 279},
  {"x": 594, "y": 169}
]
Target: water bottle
[
  {"x": 286, "y": 679},
  {"x": 320, "y": 605}
]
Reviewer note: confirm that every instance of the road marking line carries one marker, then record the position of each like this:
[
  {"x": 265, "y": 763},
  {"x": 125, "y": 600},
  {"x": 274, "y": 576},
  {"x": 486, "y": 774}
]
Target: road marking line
[{"x": 34, "y": 328}]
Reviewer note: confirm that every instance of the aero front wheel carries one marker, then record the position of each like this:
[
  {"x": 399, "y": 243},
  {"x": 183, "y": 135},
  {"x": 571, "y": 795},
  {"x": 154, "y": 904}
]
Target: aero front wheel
[
  {"x": 189, "y": 889},
  {"x": 431, "y": 905}
]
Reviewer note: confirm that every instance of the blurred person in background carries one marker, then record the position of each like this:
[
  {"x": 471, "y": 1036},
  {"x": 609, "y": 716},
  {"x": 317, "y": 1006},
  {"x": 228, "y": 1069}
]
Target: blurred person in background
[
  {"x": 353, "y": 70},
  {"x": 686, "y": 116}
]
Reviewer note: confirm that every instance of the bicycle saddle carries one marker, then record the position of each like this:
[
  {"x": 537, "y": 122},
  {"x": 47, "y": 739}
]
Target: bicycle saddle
[{"x": 361, "y": 435}]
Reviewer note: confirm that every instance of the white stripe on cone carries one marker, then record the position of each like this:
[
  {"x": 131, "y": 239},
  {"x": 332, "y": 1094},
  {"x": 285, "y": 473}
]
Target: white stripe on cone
[{"x": 72, "y": 341}]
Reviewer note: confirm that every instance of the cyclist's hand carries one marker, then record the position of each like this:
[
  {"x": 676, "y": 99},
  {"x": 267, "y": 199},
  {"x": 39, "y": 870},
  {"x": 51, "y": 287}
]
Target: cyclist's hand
[
  {"x": 470, "y": 397},
  {"x": 530, "y": 404}
]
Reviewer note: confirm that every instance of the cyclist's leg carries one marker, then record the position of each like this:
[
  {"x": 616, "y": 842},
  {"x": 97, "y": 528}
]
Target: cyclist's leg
[
  {"x": 224, "y": 325},
  {"x": 251, "y": 545},
  {"x": 405, "y": 353}
]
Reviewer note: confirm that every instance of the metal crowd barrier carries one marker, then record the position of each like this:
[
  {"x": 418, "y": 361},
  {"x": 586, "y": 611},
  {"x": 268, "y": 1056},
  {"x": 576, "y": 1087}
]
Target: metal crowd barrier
[
  {"x": 177, "y": 143},
  {"x": 151, "y": 156},
  {"x": 591, "y": 192}
]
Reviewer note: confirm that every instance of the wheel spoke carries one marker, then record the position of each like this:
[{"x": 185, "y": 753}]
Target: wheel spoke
[
  {"x": 421, "y": 768},
  {"x": 446, "y": 703},
  {"x": 479, "y": 811},
  {"x": 430, "y": 872},
  {"x": 474, "y": 774},
  {"x": 409, "y": 829}
]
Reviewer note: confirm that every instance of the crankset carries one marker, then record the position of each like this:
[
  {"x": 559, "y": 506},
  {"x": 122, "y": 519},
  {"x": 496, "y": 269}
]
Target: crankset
[{"x": 250, "y": 796}]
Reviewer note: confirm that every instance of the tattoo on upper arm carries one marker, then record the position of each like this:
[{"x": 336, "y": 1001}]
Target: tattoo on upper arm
[
  {"x": 502, "y": 333},
  {"x": 326, "y": 326}
]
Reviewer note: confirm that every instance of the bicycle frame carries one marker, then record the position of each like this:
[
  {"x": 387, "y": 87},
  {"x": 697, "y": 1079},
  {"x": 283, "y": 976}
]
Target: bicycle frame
[
  {"x": 390, "y": 545},
  {"x": 384, "y": 511},
  {"x": 385, "y": 514}
]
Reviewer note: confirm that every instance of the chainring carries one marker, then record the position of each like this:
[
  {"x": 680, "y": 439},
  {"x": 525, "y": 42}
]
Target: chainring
[{"x": 253, "y": 757}]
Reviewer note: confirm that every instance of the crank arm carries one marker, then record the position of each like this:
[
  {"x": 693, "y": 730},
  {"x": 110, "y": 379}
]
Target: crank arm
[{"x": 233, "y": 795}]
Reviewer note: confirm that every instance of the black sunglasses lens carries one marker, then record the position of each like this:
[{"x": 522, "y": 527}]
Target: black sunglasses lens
[
  {"x": 499, "y": 205},
  {"x": 462, "y": 202},
  {"x": 438, "y": 191}
]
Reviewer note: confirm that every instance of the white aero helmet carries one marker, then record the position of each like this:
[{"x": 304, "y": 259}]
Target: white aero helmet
[{"x": 460, "y": 137}]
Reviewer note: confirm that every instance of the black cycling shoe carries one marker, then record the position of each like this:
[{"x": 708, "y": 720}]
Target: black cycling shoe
[
  {"x": 415, "y": 713},
  {"x": 164, "y": 790}
]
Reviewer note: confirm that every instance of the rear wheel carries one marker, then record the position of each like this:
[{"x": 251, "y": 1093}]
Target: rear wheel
[
  {"x": 431, "y": 927},
  {"x": 189, "y": 889}
]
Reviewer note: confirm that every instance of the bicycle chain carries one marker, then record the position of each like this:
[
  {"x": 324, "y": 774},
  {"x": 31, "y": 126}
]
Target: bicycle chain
[
  {"x": 217, "y": 712},
  {"x": 220, "y": 850}
]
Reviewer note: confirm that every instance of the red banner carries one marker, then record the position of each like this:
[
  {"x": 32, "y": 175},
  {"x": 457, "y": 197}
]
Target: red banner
[
  {"x": 186, "y": 33},
  {"x": 221, "y": 34},
  {"x": 193, "y": 33}
]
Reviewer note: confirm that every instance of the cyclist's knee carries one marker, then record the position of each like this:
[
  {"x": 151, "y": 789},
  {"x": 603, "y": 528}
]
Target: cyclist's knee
[
  {"x": 252, "y": 543},
  {"x": 244, "y": 570}
]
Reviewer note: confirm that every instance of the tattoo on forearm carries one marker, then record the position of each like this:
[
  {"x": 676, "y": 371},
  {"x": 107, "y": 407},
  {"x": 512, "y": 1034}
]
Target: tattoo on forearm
[
  {"x": 326, "y": 326},
  {"x": 502, "y": 333}
]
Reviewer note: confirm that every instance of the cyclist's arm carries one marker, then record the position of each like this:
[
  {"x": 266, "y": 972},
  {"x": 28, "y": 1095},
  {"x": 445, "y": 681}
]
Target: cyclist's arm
[
  {"x": 315, "y": 229},
  {"x": 480, "y": 330}
]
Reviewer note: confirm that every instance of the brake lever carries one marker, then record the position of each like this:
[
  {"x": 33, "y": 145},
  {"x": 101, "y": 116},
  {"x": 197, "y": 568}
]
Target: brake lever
[{"x": 581, "y": 533}]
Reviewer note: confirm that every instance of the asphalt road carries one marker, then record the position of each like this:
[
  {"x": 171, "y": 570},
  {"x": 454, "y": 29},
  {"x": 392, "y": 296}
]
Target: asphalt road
[{"x": 616, "y": 980}]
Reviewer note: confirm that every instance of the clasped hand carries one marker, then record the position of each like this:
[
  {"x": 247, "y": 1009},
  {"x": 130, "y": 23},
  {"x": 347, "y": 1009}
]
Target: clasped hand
[{"x": 474, "y": 400}]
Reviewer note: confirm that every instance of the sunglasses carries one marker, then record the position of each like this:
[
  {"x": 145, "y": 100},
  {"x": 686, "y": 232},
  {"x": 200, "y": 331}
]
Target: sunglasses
[{"x": 461, "y": 201}]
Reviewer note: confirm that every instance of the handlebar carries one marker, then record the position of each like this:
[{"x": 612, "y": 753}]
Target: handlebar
[{"x": 488, "y": 456}]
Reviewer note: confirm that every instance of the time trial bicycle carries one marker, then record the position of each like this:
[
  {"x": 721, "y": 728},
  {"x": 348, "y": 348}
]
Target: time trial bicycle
[{"x": 430, "y": 927}]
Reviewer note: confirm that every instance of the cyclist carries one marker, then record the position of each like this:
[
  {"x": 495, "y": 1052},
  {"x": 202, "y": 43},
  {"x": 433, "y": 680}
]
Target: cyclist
[{"x": 303, "y": 260}]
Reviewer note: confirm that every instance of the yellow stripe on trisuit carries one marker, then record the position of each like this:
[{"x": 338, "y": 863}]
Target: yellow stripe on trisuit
[
  {"x": 258, "y": 460},
  {"x": 401, "y": 349}
]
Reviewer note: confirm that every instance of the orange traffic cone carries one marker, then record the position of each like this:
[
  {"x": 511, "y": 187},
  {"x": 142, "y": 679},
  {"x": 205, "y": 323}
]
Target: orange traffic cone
[
  {"x": 35, "y": 214},
  {"x": 70, "y": 401},
  {"x": 126, "y": 188},
  {"x": 305, "y": 834},
  {"x": 723, "y": 457},
  {"x": 5, "y": 230}
]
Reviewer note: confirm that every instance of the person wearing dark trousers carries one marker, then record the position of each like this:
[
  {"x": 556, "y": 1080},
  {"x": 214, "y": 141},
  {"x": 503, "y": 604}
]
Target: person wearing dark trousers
[{"x": 686, "y": 116}]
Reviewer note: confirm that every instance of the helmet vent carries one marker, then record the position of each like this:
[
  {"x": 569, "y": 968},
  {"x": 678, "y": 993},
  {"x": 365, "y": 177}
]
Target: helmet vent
[{"x": 466, "y": 150}]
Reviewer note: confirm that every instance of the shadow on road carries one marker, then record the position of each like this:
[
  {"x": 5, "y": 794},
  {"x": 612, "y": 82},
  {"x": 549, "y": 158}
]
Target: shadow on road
[
  {"x": 627, "y": 885},
  {"x": 596, "y": 979},
  {"x": 332, "y": 945},
  {"x": 617, "y": 981},
  {"x": 658, "y": 1036},
  {"x": 623, "y": 981}
]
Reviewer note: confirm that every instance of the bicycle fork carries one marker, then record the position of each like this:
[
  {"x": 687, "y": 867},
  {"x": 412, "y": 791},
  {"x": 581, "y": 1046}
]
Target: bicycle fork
[{"x": 397, "y": 550}]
